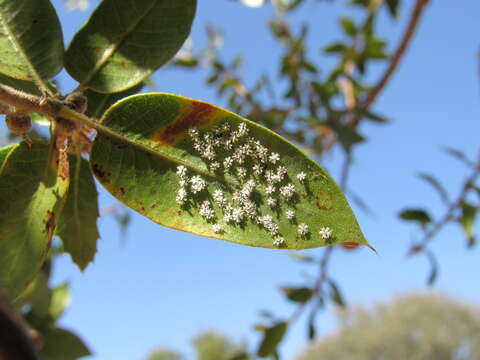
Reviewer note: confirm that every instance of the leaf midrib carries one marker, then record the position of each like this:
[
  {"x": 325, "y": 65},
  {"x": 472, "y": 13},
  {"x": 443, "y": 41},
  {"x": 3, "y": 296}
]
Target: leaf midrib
[
  {"x": 157, "y": 152},
  {"x": 112, "y": 49}
]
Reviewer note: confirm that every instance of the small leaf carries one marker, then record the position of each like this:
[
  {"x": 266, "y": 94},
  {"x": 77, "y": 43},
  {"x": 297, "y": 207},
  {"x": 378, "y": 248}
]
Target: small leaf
[
  {"x": 363, "y": 113},
  {"x": 145, "y": 139},
  {"x": 360, "y": 203},
  {"x": 335, "y": 48},
  {"x": 294, "y": 4},
  {"x": 312, "y": 329},
  {"x": 393, "y": 7},
  {"x": 272, "y": 337},
  {"x": 31, "y": 40},
  {"x": 467, "y": 220},
  {"x": 60, "y": 300},
  {"x": 297, "y": 294},
  {"x": 62, "y": 344},
  {"x": 433, "y": 268},
  {"x": 123, "y": 219},
  {"x": 301, "y": 257},
  {"x": 336, "y": 295},
  {"x": 418, "y": 215},
  {"x": 374, "y": 49},
  {"x": 32, "y": 192},
  {"x": 266, "y": 314},
  {"x": 346, "y": 134},
  {"x": 348, "y": 26},
  {"x": 77, "y": 226},
  {"x": 240, "y": 356},
  {"x": 124, "y": 42},
  {"x": 459, "y": 155},
  {"x": 436, "y": 185}
]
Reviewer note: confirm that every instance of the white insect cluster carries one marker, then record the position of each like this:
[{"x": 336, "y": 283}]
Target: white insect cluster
[{"x": 261, "y": 177}]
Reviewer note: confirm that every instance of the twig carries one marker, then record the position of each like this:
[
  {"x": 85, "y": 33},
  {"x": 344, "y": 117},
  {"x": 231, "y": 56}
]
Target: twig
[
  {"x": 317, "y": 288},
  {"x": 449, "y": 214},
  {"x": 14, "y": 340},
  {"x": 347, "y": 161},
  {"x": 407, "y": 37}
]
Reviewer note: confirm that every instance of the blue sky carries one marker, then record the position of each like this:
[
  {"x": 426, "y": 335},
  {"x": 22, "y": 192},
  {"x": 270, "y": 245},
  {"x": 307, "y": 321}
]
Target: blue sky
[{"x": 161, "y": 287}]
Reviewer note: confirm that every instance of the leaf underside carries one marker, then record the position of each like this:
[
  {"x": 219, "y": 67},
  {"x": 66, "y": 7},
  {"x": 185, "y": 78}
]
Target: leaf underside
[
  {"x": 31, "y": 196},
  {"x": 138, "y": 162},
  {"x": 77, "y": 226},
  {"x": 125, "y": 41},
  {"x": 31, "y": 40}
]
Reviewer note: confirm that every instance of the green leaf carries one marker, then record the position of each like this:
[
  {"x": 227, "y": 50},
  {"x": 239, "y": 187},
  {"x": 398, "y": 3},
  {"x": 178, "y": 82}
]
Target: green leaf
[
  {"x": 37, "y": 296},
  {"x": 23, "y": 85},
  {"x": 124, "y": 42},
  {"x": 60, "y": 300},
  {"x": 363, "y": 113},
  {"x": 460, "y": 156},
  {"x": 335, "y": 48},
  {"x": 4, "y": 152},
  {"x": 297, "y": 294},
  {"x": 301, "y": 257},
  {"x": 98, "y": 103},
  {"x": 240, "y": 356},
  {"x": 393, "y": 7},
  {"x": 272, "y": 337},
  {"x": 346, "y": 134},
  {"x": 374, "y": 49},
  {"x": 348, "y": 26},
  {"x": 467, "y": 220},
  {"x": 436, "y": 185},
  {"x": 62, "y": 344},
  {"x": 336, "y": 295},
  {"x": 32, "y": 192},
  {"x": 432, "y": 277},
  {"x": 312, "y": 328},
  {"x": 418, "y": 215},
  {"x": 77, "y": 226},
  {"x": 294, "y": 4},
  {"x": 144, "y": 138},
  {"x": 31, "y": 40}
]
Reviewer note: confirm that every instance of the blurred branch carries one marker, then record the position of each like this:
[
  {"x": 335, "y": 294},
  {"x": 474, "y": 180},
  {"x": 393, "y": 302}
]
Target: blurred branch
[
  {"x": 320, "y": 280},
  {"x": 450, "y": 213},
  {"x": 14, "y": 341},
  {"x": 407, "y": 37}
]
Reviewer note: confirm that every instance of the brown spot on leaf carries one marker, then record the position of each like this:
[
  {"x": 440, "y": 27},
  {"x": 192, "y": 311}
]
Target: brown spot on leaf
[
  {"x": 63, "y": 166},
  {"x": 122, "y": 190},
  {"x": 153, "y": 206},
  {"x": 50, "y": 225},
  {"x": 199, "y": 114},
  {"x": 324, "y": 201},
  {"x": 118, "y": 144},
  {"x": 349, "y": 245},
  {"x": 99, "y": 173}
]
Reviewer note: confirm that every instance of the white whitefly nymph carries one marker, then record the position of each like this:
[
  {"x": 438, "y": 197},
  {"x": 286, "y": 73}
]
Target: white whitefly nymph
[
  {"x": 325, "y": 233},
  {"x": 261, "y": 178},
  {"x": 302, "y": 229}
]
